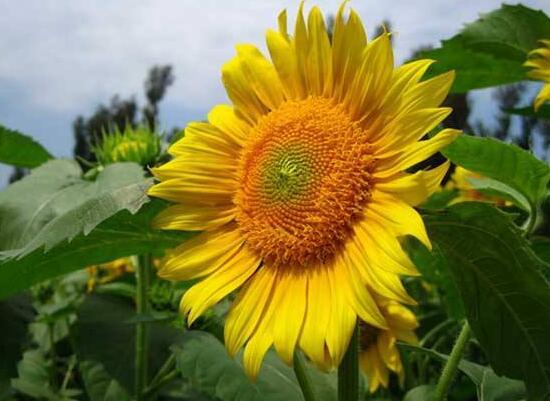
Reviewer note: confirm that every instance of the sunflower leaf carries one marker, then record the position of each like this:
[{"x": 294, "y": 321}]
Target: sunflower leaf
[
  {"x": 21, "y": 150},
  {"x": 203, "y": 359},
  {"x": 104, "y": 333},
  {"x": 506, "y": 298},
  {"x": 491, "y": 51},
  {"x": 121, "y": 235},
  {"x": 518, "y": 169},
  {"x": 54, "y": 203}
]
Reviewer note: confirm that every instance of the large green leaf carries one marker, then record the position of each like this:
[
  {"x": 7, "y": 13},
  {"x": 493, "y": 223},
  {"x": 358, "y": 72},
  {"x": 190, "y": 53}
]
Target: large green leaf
[
  {"x": 15, "y": 314},
  {"x": 490, "y": 387},
  {"x": 105, "y": 333},
  {"x": 507, "y": 300},
  {"x": 523, "y": 173},
  {"x": 491, "y": 50},
  {"x": 123, "y": 234},
  {"x": 100, "y": 386},
  {"x": 203, "y": 359},
  {"x": 434, "y": 270},
  {"x": 21, "y": 150},
  {"x": 54, "y": 203}
]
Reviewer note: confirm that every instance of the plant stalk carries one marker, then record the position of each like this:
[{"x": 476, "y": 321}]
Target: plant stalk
[
  {"x": 303, "y": 377},
  {"x": 348, "y": 372},
  {"x": 450, "y": 368},
  {"x": 143, "y": 278}
]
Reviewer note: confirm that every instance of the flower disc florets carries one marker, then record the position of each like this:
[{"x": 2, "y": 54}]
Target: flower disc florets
[{"x": 304, "y": 177}]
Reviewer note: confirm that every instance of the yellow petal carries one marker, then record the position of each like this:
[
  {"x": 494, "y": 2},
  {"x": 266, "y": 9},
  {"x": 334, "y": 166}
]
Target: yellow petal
[
  {"x": 342, "y": 319},
  {"x": 348, "y": 42},
  {"x": 194, "y": 188},
  {"x": 248, "y": 309},
  {"x": 201, "y": 254},
  {"x": 414, "y": 154},
  {"x": 358, "y": 294},
  {"x": 415, "y": 188},
  {"x": 192, "y": 217},
  {"x": 255, "y": 351},
  {"x": 204, "y": 138},
  {"x": 240, "y": 91},
  {"x": 224, "y": 280},
  {"x": 261, "y": 75},
  {"x": 397, "y": 216},
  {"x": 542, "y": 97},
  {"x": 429, "y": 93},
  {"x": 319, "y": 55},
  {"x": 371, "y": 80},
  {"x": 224, "y": 118},
  {"x": 284, "y": 59},
  {"x": 383, "y": 248},
  {"x": 289, "y": 299},
  {"x": 319, "y": 304}
]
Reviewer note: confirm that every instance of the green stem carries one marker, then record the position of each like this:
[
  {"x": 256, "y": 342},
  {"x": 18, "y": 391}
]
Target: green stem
[
  {"x": 449, "y": 371},
  {"x": 348, "y": 372},
  {"x": 149, "y": 391},
  {"x": 143, "y": 271},
  {"x": 164, "y": 370},
  {"x": 303, "y": 377}
]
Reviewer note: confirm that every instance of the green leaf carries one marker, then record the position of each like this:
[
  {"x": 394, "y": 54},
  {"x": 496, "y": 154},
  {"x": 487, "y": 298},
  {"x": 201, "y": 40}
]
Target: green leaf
[
  {"x": 15, "y": 314},
  {"x": 122, "y": 235},
  {"x": 433, "y": 267},
  {"x": 424, "y": 392},
  {"x": 203, "y": 359},
  {"x": 542, "y": 112},
  {"x": 491, "y": 51},
  {"x": 541, "y": 247},
  {"x": 507, "y": 300},
  {"x": 99, "y": 385},
  {"x": 490, "y": 387},
  {"x": 518, "y": 169},
  {"x": 54, "y": 203},
  {"x": 21, "y": 150},
  {"x": 104, "y": 333}
]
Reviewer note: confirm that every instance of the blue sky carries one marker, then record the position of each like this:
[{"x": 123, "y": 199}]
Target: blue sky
[{"x": 61, "y": 58}]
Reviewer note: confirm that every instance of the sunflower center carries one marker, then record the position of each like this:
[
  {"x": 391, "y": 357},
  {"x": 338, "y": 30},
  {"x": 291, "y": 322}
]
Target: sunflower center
[{"x": 304, "y": 178}]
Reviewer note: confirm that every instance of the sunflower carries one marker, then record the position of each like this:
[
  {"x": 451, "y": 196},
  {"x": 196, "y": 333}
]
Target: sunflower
[
  {"x": 107, "y": 272},
  {"x": 301, "y": 188},
  {"x": 539, "y": 61},
  {"x": 378, "y": 350}
]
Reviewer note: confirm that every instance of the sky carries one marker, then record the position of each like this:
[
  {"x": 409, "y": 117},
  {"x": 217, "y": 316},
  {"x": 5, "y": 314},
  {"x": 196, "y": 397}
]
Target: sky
[{"x": 61, "y": 58}]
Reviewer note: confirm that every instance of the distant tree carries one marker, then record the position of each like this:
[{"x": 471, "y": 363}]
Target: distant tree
[
  {"x": 156, "y": 84},
  {"x": 17, "y": 173},
  {"x": 507, "y": 97}
]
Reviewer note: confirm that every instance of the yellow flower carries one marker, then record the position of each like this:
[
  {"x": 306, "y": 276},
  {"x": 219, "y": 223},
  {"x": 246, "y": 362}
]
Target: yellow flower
[
  {"x": 378, "y": 351},
  {"x": 539, "y": 61},
  {"x": 107, "y": 272},
  {"x": 462, "y": 181},
  {"x": 301, "y": 188}
]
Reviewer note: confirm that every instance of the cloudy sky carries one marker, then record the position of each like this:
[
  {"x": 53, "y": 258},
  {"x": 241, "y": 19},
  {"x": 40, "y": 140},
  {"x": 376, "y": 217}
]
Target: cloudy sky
[{"x": 61, "y": 58}]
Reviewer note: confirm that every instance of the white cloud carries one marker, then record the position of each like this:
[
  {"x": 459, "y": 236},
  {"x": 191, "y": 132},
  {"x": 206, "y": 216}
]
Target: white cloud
[{"x": 68, "y": 55}]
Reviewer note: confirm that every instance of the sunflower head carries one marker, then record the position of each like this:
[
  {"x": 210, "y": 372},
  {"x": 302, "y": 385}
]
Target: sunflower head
[
  {"x": 302, "y": 188},
  {"x": 539, "y": 64},
  {"x": 107, "y": 272},
  {"x": 464, "y": 181},
  {"x": 139, "y": 145},
  {"x": 378, "y": 349}
]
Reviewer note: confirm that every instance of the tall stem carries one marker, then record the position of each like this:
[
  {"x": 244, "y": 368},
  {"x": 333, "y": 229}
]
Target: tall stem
[
  {"x": 451, "y": 366},
  {"x": 143, "y": 278},
  {"x": 303, "y": 377},
  {"x": 348, "y": 372}
]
